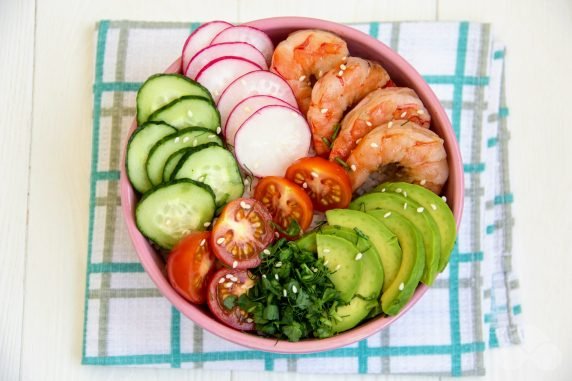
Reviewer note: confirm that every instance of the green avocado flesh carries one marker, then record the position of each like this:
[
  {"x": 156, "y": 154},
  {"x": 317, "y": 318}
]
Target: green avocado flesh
[
  {"x": 412, "y": 263},
  {"x": 339, "y": 256},
  {"x": 384, "y": 241},
  {"x": 417, "y": 215},
  {"x": 437, "y": 208}
]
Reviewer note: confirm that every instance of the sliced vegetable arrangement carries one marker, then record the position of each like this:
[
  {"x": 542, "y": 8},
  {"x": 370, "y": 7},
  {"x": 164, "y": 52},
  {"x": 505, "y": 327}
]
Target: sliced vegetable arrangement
[{"x": 274, "y": 239}]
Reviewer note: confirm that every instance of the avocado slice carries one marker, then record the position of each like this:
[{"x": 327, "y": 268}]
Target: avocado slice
[
  {"x": 307, "y": 242},
  {"x": 437, "y": 208},
  {"x": 353, "y": 313},
  {"x": 417, "y": 215},
  {"x": 412, "y": 264},
  {"x": 341, "y": 258},
  {"x": 384, "y": 241}
]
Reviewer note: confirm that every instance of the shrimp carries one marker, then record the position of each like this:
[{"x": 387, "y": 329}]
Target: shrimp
[
  {"x": 305, "y": 56},
  {"x": 399, "y": 150},
  {"x": 377, "y": 108},
  {"x": 338, "y": 90}
]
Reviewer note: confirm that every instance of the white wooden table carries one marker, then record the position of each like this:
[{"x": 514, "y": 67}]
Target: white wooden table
[{"x": 46, "y": 72}]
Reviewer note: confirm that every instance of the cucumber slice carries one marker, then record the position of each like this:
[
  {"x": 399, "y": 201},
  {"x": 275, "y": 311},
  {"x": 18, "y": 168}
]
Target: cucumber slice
[
  {"x": 188, "y": 111},
  {"x": 138, "y": 148},
  {"x": 215, "y": 166},
  {"x": 164, "y": 148},
  {"x": 172, "y": 162},
  {"x": 160, "y": 89},
  {"x": 173, "y": 210}
]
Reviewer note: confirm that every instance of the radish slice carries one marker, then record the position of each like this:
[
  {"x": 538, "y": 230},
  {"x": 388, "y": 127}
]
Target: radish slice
[
  {"x": 244, "y": 109},
  {"x": 201, "y": 38},
  {"x": 255, "y": 83},
  {"x": 253, "y": 36},
  {"x": 226, "y": 49},
  {"x": 219, "y": 73},
  {"x": 271, "y": 139}
]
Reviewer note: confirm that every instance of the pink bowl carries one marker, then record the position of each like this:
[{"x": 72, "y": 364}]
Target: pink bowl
[{"x": 360, "y": 44}]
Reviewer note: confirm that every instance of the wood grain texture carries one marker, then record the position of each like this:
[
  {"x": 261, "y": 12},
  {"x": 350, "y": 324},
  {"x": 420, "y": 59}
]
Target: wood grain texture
[
  {"x": 16, "y": 68},
  {"x": 539, "y": 52}
]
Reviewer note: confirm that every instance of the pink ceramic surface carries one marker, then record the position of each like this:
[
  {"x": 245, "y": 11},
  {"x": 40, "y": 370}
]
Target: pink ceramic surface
[{"x": 403, "y": 74}]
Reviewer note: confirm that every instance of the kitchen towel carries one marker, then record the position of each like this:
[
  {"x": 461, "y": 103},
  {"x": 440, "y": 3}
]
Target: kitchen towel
[{"x": 473, "y": 305}]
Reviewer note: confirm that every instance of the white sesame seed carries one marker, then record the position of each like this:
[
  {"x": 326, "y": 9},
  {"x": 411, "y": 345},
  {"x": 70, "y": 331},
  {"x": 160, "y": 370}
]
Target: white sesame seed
[
  {"x": 344, "y": 58},
  {"x": 234, "y": 279},
  {"x": 444, "y": 198},
  {"x": 404, "y": 206},
  {"x": 195, "y": 142},
  {"x": 326, "y": 251},
  {"x": 403, "y": 114},
  {"x": 276, "y": 277},
  {"x": 420, "y": 112},
  {"x": 245, "y": 205},
  {"x": 190, "y": 113},
  {"x": 423, "y": 182},
  {"x": 203, "y": 241},
  {"x": 249, "y": 320},
  {"x": 320, "y": 73},
  {"x": 420, "y": 209},
  {"x": 228, "y": 276},
  {"x": 246, "y": 181},
  {"x": 266, "y": 251},
  {"x": 398, "y": 190},
  {"x": 374, "y": 145},
  {"x": 294, "y": 289},
  {"x": 304, "y": 185},
  {"x": 343, "y": 67},
  {"x": 220, "y": 241},
  {"x": 326, "y": 263},
  {"x": 212, "y": 136},
  {"x": 264, "y": 276},
  {"x": 177, "y": 139},
  {"x": 228, "y": 284},
  {"x": 256, "y": 225},
  {"x": 358, "y": 256},
  {"x": 221, "y": 280},
  {"x": 314, "y": 269},
  {"x": 207, "y": 224},
  {"x": 383, "y": 190},
  {"x": 353, "y": 167},
  {"x": 387, "y": 215},
  {"x": 404, "y": 194},
  {"x": 234, "y": 264},
  {"x": 278, "y": 264},
  {"x": 314, "y": 174},
  {"x": 401, "y": 286},
  {"x": 284, "y": 292},
  {"x": 186, "y": 139},
  {"x": 324, "y": 110},
  {"x": 167, "y": 222},
  {"x": 302, "y": 78},
  {"x": 368, "y": 123},
  {"x": 433, "y": 206},
  {"x": 357, "y": 141},
  {"x": 276, "y": 234},
  {"x": 218, "y": 130},
  {"x": 340, "y": 73},
  {"x": 390, "y": 124},
  {"x": 337, "y": 268}
]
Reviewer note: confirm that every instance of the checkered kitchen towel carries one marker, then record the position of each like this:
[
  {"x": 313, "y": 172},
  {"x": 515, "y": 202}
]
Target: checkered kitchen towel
[{"x": 472, "y": 305}]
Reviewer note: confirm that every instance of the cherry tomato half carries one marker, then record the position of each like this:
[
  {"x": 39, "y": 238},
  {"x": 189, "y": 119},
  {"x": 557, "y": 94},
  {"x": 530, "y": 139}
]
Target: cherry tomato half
[
  {"x": 327, "y": 184},
  {"x": 241, "y": 232},
  {"x": 230, "y": 282},
  {"x": 285, "y": 201},
  {"x": 189, "y": 265}
]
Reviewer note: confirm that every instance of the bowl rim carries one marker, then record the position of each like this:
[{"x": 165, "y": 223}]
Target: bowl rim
[{"x": 194, "y": 313}]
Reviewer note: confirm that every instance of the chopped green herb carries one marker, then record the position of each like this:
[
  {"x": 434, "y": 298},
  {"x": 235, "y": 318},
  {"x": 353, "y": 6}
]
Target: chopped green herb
[
  {"x": 336, "y": 131},
  {"x": 293, "y": 229},
  {"x": 229, "y": 302},
  {"x": 342, "y": 163},
  {"x": 327, "y": 142}
]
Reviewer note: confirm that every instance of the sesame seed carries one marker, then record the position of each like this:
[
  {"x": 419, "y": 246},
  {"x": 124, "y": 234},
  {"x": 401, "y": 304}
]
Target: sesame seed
[
  {"x": 403, "y": 114},
  {"x": 212, "y": 136},
  {"x": 218, "y": 130},
  {"x": 404, "y": 206},
  {"x": 444, "y": 198},
  {"x": 390, "y": 124},
  {"x": 433, "y": 206},
  {"x": 398, "y": 190},
  {"x": 420, "y": 209},
  {"x": 186, "y": 139},
  {"x": 423, "y": 182},
  {"x": 266, "y": 251},
  {"x": 357, "y": 141},
  {"x": 207, "y": 224},
  {"x": 220, "y": 241},
  {"x": 344, "y": 58},
  {"x": 383, "y": 190},
  {"x": 326, "y": 251},
  {"x": 228, "y": 276},
  {"x": 404, "y": 194},
  {"x": 294, "y": 289},
  {"x": 177, "y": 139},
  {"x": 320, "y": 73},
  {"x": 358, "y": 256},
  {"x": 314, "y": 174},
  {"x": 234, "y": 279},
  {"x": 314, "y": 269},
  {"x": 276, "y": 277},
  {"x": 249, "y": 320},
  {"x": 246, "y": 181},
  {"x": 221, "y": 280},
  {"x": 234, "y": 264},
  {"x": 167, "y": 222},
  {"x": 276, "y": 234},
  {"x": 284, "y": 292},
  {"x": 340, "y": 73},
  {"x": 228, "y": 284},
  {"x": 278, "y": 264},
  {"x": 374, "y": 145},
  {"x": 264, "y": 276},
  {"x": 304, "y": 185},
  {"x": 387, "y": 215},
  {"x": 353, "y": 167},
  {"x": 337, "y": 268},
  {"x": 401, "y": 286},
  {"x": 245, "y": 205},
  {"x": 326, "y": 263},
  {"x": 324, "y": 110},
  {"x": 215, "y": 93},
  {"x": 195, "y": 142},
  {"x": 368, "y": 123},
  {"x": 190, "y": 113},
  {"x": 302, "y": 78},
  {"x": 343, "y": 67},
  {"x": 420, "y": 112},
  {"x": 203, "y": 241}
]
